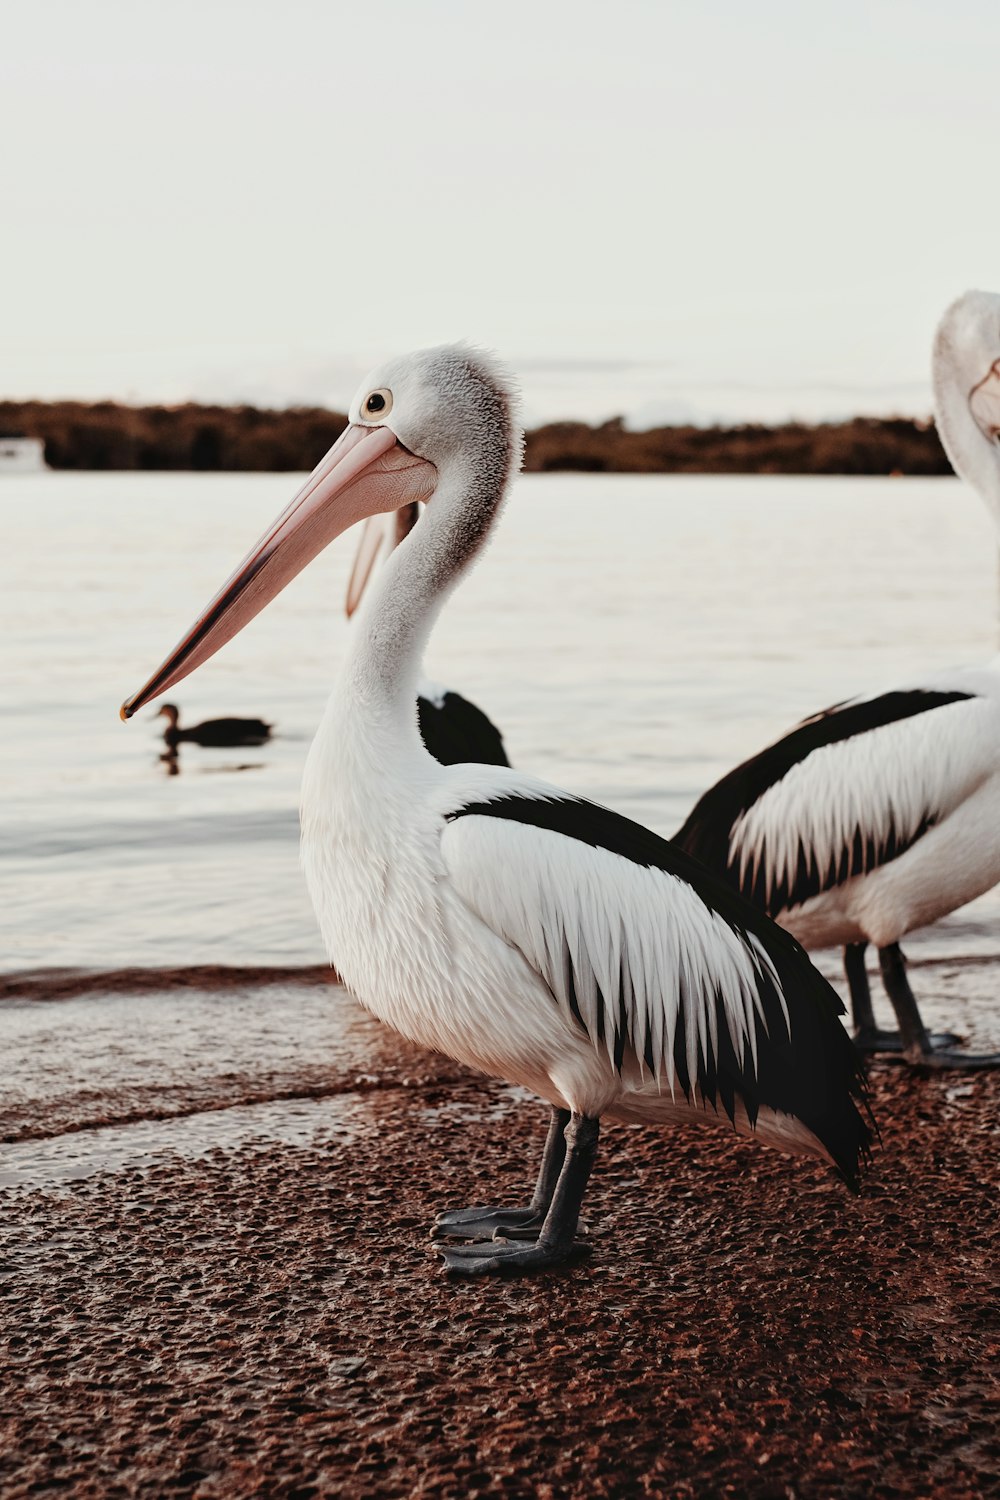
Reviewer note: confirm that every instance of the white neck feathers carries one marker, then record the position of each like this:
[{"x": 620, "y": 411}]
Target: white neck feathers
[
  {"x": 974, "y": 457},
  {"x": 392, "y": 627}
]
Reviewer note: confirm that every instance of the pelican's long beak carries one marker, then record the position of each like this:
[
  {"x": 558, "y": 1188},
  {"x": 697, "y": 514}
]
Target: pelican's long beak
[
  {"x": 985, "y": 403},
  {"x": 377, "y": 530},
  {"x": 365, "y": 473}
]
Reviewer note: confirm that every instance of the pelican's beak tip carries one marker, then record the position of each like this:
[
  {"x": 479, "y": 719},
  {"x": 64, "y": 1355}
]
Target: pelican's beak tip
[{"x": 125, "y": 712}]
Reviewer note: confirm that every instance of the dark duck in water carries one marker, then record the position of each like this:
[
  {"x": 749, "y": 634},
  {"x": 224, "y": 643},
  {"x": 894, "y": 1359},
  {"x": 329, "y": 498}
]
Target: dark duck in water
[{"x": 220, "y": 732}]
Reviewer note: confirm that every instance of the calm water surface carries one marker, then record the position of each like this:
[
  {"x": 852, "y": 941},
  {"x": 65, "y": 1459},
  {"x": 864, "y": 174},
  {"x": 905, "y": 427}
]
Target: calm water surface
[{"x": 633, "y": 637}]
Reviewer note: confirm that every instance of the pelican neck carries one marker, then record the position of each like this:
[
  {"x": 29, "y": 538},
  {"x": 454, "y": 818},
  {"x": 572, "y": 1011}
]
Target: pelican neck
[
  {"x": 975, "y": 459},
  {"x": 385, "y": 658}
]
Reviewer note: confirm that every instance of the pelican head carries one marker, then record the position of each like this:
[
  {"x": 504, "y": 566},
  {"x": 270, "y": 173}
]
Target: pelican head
[
  {"x": 966, "y": 375},
  {"x": 447, "y": 411},
  {"x": 446, "y": 405},
  {"x": 967, "y": 348}
]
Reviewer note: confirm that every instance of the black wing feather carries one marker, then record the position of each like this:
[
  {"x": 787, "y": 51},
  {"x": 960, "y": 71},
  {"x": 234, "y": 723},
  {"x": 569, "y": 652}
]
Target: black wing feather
[
  {"x": 707, "y": 832},
  {"x": 459, "y": 733},
  {"x": 814, "y": 1073}
]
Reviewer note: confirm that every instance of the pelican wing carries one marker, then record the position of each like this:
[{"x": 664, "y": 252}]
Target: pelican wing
[
  {"x": 842, "y": 793},
  {"x": 659, "y": 962},
  {"x": 456, "y": 732}
]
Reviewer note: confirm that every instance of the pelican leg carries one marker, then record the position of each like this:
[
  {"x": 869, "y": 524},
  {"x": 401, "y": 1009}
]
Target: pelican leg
[
  {"x": 513, "y": 1223},
  {"x": 919, "y": 1049},
  {"x": 557, "y": 1241},
  {"x": 868, "y": 1035}
]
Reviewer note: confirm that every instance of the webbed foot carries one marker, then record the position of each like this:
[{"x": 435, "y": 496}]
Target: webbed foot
[
  {"x": 564, "y": 1177},
  {"x": 497, "y": 1257},
  {"x": 484, "y": 1223},
  {"x": 874, "y": 1039},
  {"x": 944, "y": 1060}
]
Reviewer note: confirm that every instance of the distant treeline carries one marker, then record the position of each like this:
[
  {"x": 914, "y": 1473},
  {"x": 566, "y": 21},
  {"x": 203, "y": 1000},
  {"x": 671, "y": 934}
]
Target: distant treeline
[
  {"x": 865, "y": 445},
  {"x": 108, "y": 436}
]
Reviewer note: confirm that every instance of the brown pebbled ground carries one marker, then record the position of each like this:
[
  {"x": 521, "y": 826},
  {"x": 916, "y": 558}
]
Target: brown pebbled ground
[{"x": 270, "y": 1320}]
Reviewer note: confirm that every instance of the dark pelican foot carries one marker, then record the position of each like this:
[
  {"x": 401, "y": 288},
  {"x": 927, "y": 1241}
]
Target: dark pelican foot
[
  {"x": 556, "y": 1241},
  {"x": 918, "y": 1049},
  {"x": 513, "y": 1223},
  {"x": 874, "y": 1039},
  {"x": 945, "y": 1060},
  {"x": 492, "y": 1224},
  {"x": 497, "y": 1257},
  {"x": 869, "y": 1037},
  {"x": 484, "y": 1223}
]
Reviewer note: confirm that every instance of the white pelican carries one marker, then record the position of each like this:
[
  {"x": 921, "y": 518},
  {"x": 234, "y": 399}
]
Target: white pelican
[
  {"x": 518, "y": 929},
  {"x": 882, "y": 814},
  {"x": 453, "y": 729}
]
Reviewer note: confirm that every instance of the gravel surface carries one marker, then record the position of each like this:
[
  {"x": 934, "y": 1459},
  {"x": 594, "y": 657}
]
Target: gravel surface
[{"x": 242, "y": 1301}]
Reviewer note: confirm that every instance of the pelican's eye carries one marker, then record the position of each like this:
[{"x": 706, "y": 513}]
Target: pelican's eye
[{"x": 378, "y": 404}]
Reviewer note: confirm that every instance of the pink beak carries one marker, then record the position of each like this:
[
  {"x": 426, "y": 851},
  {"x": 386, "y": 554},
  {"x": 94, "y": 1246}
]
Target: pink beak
[
  {"x": 366, "y": 473},
  {"x": 376, "y": 532}
]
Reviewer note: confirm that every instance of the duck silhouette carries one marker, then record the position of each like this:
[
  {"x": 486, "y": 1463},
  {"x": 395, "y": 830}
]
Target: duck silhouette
[{"x": 222, "y": 732}]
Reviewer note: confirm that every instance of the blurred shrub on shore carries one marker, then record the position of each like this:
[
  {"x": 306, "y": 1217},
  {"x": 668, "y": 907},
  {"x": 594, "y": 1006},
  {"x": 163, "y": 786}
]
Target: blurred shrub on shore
[
  {"x": 106, "y": 435},
  {"x": 865, "y": 445}
]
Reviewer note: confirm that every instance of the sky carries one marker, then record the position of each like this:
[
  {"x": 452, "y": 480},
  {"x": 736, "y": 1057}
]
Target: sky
[{"x": 666, "y": 210}]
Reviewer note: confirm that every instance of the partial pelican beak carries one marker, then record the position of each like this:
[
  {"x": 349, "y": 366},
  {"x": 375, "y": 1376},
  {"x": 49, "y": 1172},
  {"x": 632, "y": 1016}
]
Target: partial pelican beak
[
  {"x": 365, "y": 473},
  {"x": 376, "y": 531},
  {"x": 984, "y": 403}
]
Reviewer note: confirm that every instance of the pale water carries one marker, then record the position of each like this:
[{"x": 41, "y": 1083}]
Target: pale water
[{"x": 633, "y": 637}]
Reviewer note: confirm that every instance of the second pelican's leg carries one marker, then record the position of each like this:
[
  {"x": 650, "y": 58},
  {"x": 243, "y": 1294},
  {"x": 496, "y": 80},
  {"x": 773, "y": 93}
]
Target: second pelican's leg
[
  {"x": 868, "y": 1036},
  {"x": 513, "y": 1223},
  {"x": 918, "y": 1048},
  {"x": 557, "y": 1241}
]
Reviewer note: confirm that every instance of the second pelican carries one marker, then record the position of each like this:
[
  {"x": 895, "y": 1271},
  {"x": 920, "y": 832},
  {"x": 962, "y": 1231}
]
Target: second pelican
[{"x": 882, "y": 814}]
